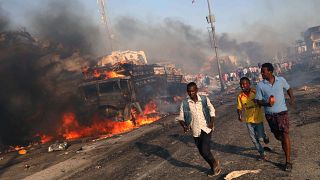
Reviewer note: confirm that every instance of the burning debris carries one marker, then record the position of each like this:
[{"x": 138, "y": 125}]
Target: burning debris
[
  {"x": 39, "y": 85},
  {"x": 52, "y": 74},
  {"x": 119, "y": 90},
  {"x": 22, "y": 151},
  {"x": 124, "y": 57}
]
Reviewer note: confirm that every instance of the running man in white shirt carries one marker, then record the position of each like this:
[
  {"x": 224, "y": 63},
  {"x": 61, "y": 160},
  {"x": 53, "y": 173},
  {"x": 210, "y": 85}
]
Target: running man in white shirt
[{"x": 197, "y": 113}]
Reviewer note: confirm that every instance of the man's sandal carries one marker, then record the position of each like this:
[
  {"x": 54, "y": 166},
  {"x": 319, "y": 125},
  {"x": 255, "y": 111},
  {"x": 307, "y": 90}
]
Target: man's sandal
[
  {"x": 288, "y": 167},
  {"x": 216, "y": 171}
]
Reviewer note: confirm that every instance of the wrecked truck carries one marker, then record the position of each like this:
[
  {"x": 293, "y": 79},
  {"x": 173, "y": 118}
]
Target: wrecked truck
[{"x": 120, "y": 91}]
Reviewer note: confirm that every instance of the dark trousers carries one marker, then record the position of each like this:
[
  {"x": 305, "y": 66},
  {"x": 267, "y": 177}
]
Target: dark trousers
[{"x": 203, "y": 144}]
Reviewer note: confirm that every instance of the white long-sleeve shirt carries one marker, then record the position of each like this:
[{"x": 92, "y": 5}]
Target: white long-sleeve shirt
[{"x": 198, "y": 121}]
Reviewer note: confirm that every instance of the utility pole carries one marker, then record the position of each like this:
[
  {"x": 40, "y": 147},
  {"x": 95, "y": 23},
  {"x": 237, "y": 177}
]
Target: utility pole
[
  {"x": 211, "y": 20},
  {"x": 105, "y": 22}
]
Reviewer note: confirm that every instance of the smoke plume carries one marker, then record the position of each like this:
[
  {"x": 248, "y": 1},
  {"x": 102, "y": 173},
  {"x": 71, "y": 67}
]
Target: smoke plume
[
  {"x": 66, "y": 23},
  {"x": 39, "y": 76},
  {"x": 4, "y": 20}
]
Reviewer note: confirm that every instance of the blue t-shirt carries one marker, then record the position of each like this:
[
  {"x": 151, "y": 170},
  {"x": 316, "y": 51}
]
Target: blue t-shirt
[{"x": 264, "y": 90}]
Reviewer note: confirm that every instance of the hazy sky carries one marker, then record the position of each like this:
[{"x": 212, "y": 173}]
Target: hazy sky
[
  {"x": 174, "y": 30},
  {"x": 233, "y": 16}
]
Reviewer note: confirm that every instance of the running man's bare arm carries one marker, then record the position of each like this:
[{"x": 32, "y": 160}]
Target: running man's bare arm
[
  {"x": 239, "y": 115},
  {"x": 290, "y": 94}
]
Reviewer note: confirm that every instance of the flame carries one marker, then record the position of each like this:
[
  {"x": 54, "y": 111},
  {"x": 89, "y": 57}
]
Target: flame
[
  {"x": 22, "y": 151},
  {"x": 96, "y": 73},
  {"x": 150, "y": 108},
  {"x": 112, "y": 74},
  {"x": 17, "y": 148},
  {"x": 45, "y": 138},
  {"x": 71, "y": 129}
]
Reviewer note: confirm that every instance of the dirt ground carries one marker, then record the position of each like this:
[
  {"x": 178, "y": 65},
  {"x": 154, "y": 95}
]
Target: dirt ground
[{"x": 162, "y": 151}]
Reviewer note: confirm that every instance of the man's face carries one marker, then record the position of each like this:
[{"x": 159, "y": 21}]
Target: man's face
[
  {"x": 245, "y": 85},
  {"x": 192, "y": 91},
  {"x": 265, "y": 73}
]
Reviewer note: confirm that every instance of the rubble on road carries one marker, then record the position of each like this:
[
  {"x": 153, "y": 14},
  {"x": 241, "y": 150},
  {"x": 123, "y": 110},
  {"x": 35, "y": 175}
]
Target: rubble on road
[
  {"x": 58, "y": 147},
  {"x": 236, "y": 174}
]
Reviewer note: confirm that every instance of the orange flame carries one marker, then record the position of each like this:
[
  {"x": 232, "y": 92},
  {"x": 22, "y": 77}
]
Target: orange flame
[
  {"x": 96, "y": 73},
  {"x": 45, "y": 138},
  {"x": 112, "y": 74},
  {"x": 22, "y": 151},
  {"x": 71, "y": 129},
  {"x": 150, "y": 108}
]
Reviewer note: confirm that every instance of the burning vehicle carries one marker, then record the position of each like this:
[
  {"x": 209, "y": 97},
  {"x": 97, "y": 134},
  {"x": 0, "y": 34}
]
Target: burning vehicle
[{"x": 120, "y": 88}]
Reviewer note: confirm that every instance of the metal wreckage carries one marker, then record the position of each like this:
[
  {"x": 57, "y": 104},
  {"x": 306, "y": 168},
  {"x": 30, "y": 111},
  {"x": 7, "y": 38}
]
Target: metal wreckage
[{"x": 123, "y": 82}]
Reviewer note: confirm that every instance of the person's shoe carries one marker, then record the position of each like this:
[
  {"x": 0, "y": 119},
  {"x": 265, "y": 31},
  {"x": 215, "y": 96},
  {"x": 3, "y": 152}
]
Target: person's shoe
[
  {"x": 267, "y": 149},
  {"x": 266, "y": 140},
  {"x": 288, "y": 167},
  {"x": 216, "y": 171},
  {"x": 262, "y": 157}
]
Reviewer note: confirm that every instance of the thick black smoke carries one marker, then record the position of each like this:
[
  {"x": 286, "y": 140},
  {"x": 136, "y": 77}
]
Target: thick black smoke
[
  {"x": 177, "y": 42},
  {"x": 4, "y": 20},
  {"x": 39, "y": 76},
  {"x": 66, "y": 23},
  {"x": 37, "y": 86},
  {"x": 167, "y": 41}
]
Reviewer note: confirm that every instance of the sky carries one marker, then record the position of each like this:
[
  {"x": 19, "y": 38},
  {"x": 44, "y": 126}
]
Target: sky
[
  {"x": 232, "y": 16},
  {"x": 249, "y": 29}
]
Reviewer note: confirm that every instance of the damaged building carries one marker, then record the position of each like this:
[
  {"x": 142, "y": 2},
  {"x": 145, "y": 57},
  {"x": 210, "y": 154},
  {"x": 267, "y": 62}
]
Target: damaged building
[{"x": 309, "y": 48}]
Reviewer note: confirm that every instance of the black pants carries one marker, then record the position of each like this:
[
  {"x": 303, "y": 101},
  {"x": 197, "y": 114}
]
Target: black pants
[{"x": 203, "y": 144}]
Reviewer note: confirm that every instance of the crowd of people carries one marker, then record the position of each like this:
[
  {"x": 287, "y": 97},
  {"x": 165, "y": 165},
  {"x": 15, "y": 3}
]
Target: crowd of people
[{"x": 253, "y": 72}]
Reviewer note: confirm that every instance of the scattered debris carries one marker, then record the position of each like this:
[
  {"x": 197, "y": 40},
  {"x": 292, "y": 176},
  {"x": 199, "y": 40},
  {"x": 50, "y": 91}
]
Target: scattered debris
[
  {"x": 304, "y": 88},
  {"x": 235, "y": 174},
  {"x": 58, "y": 147},
  {"x": 79, "y": 150},
  {"x": 98, "y": 167},
  {"x": 22, "y": 151},
  {"x": 27, "y": 166}
]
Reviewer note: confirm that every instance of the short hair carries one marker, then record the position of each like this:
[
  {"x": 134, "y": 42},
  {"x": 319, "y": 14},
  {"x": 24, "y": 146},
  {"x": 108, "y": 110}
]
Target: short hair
[
  {"x": 268, "y": 66},
  {"x": 245, "y": 79},
  {"x": 191, "y": 84}
]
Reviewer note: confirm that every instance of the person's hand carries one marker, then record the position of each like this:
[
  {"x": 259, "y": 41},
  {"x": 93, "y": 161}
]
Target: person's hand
[
  {"x": 186, "y": 129},
  {"x": 272, "y": 100},
  {"x": 211, "y": 125},
  {"x": 292, "y": 101}
]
